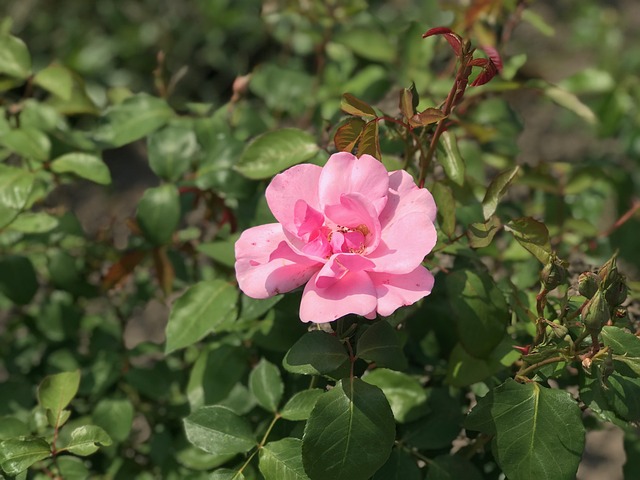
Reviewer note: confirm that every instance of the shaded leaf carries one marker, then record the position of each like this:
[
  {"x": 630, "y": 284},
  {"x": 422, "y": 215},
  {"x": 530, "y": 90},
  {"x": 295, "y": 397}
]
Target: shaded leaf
[
  {"x": 426, "y": 117},
  {"x": 405, "y": 394},
  {"x": 205, "y": 307},
  {"x": 18, "y": 279},
  {"x": 131, "y": 120},
  {"x": 122, "y": 268},
  {"x": 380, "y": 344},
  {"x": 282, "y": 460},
  {"x": 450, "y": 158},
  {"x": 446, "y": 204},
  {"x": 266, "y": 385},
  {"x": 532, "y": 235},
  {"x": 534, "y": 427},
  {"x": 481, "y": 234},
  {"x": 480, "y": 309},
  {"x": 316, "y": 353},
  {"x": 349, "y": 434},
  {"x": 158, "y": 213},
  {"x": 273, "y": 152},
  {"x": 348, "y": 134},
  {"x": 84, "y": 165},
  {"x": 354, "y": 106},
  {"x": 452, "y": 467},
  {"x": 34, "y": 222},
  {"x": 171, "y": 151},
  {"x": 301, "y": 404},
  {"x": 497, "y": 188},
  {"x": 370, "y": 141},
  {"x": 216, "y": 429},
  {"x": 115, "y": 416}
]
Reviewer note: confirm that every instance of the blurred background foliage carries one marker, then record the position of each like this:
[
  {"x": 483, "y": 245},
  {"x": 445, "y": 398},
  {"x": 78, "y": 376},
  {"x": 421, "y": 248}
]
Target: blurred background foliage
[{"x": 566, "y": 109}]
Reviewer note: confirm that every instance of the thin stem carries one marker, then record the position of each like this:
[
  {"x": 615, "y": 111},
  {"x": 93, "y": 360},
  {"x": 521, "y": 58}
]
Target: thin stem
[
  {"x": 524, "y": 372},
  {"x": 260, "y": 445}
]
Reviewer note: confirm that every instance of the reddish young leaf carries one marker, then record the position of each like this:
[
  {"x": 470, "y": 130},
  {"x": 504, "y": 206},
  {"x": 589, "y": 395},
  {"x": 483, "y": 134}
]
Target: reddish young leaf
[
  {"x": 427, "y": 117},
  {"x": 453, "y": 38},
  {"x": 370, "y": 141},
  {"x": 348, "y": 134},
  {"x": 355, "y": 106},
  {"x": 488, "y": 72},
  {"x": 122, "y": 268},
  {"x": 494, "y": 56}
]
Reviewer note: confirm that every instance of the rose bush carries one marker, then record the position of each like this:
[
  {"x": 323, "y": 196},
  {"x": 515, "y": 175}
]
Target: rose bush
[{"x": 353, "y": 232}]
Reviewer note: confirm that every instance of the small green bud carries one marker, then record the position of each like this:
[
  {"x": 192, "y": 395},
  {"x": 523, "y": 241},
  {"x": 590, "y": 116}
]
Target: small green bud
[
  {"x": 608, "y": 273},
  {"x": 596, "y": 313},
  {"x": 560, "y": 331},
  {"x": 588, "y": 284},
  {"x": 553, "y": 274},
  {"x": 616, "y": 293}
]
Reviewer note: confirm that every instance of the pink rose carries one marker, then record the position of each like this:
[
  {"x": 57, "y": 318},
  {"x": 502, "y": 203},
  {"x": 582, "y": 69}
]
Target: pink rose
[{"x": 353, "y": 232}]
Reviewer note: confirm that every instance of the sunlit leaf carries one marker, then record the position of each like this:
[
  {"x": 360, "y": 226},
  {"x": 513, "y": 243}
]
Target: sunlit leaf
[
  {"x": 481, "y": 234},
  {"x": 16, "y": 454},
  {"x": 450, "y": 158},
  {"x": 282, "y": 460},
  {"x": 56, "y": 79},
  {"x": 532, "y": 235},
  {"x": 354, "y": 106},
  {"x": 266, "y": 385},
  {"x": 158, "y": 213},
  {"x": 216, "y": 429},
  {"x": 348, "y": 134},
  {"x": 370, "y": 141},
  {"x": 83, "y": 165},
  {"x": 497, "y": 188},
  {"x": 15, "y": 60}
]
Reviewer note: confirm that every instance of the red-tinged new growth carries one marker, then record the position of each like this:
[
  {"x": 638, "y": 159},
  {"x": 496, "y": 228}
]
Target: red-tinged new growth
[{"x": 453, "y": 38}]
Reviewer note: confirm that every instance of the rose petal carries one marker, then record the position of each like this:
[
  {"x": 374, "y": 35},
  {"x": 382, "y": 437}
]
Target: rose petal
[
  {"x": 407, "y": 234},
  {"x": 338, "y": 266},
  {"x": 299, "y": 182},
  {"x": 344, "y": 173},
  {"x": 353, "y": 211},
  {"x": 353, "y": 293},
  {"x": 266, "y": 265},
  {"x": 395, "y": 291},
  {"x": 403, "y": 183}
]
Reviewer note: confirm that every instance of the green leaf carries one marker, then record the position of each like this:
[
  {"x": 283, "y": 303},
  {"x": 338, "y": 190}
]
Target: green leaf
[
  {"x": 316, "y": 353},
  {"x": 134, "y": 118},
  {"x": 282, "y": 460},
  {"x": 27, "y": 142},
  {"x": 216, "y": 429},
  {"x": 369, "y": 143},
  {"x": 16, "y": 185},
  {"x": 348, "y": 134},
  {"x": 624, "y": 345},
  {"x": 443, "y": 197},
  {"x": 15, "y": 60},
  {"x": 72, "y": 468},
  {"x": 115, "y": 416},
  {"x": 354, "y": 106},
  {"x": 222, "y": 251},
  {"x": 11, "y": 427},
  {"x": 481, "y": 234},
  {"x": 380, "y": 344},
  {"x": 34, "y": 222},
  {"x": 273, "y": 152},
  {"x": 266, "y": 385},
  {"x": 349, "y": 434},
  {"x": 404, "y": 393},
  {"x": 399, "y": 466},
  {"x": 56, "y": 79},
  {"x": 538, "y": 431},
  {"x": 452, "y": 467},
  {"x": 56, "y": 392},
  {"x": 450, "y": 158},
  {"x": 299, "y": 406},
  {"x": 532, "y": 235},
  {"x": 497, "y": 188},
  {"x": 86, "y": 440},
  {"x": 623, "y": 395},
  {"x": 18, "y": 279},
  {"x": 480, "y": 309},
  {"x": 83, "y": 165},
  {"x": 226, "y": 474},
  {"x": 171, "y": 151},
  {"x": 158, "y": 213},
  {"x": 571, "y": 102},
  {"x": 205, "y": 307},
  {"x": 216, "y": 371},
  {"x": 465, "y": 369},
  {"x": 18, "y": 454},
  {"x": 370, "y": 43}
]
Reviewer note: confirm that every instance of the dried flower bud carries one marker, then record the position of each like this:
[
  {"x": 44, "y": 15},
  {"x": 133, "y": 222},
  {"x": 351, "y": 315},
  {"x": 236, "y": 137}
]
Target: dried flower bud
[
  {"x": 553, "y": 274},
  {"x": 595, "y": 313},
  {"x": 588, "y": 284}
]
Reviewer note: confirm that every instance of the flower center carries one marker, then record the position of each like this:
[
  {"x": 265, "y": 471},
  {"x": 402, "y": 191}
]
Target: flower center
[{"x": 347, "y": 239}]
